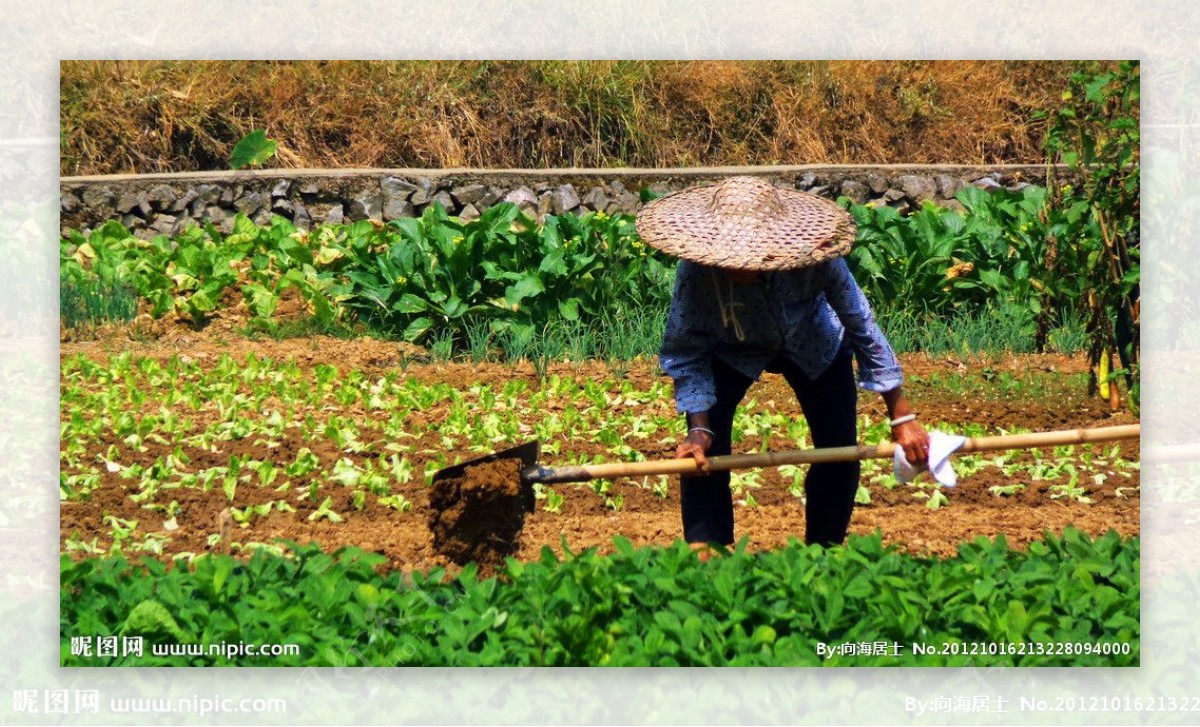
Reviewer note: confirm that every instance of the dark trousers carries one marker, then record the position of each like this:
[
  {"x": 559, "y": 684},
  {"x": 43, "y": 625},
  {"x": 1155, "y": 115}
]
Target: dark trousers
[{"x": 829, "y": 403}]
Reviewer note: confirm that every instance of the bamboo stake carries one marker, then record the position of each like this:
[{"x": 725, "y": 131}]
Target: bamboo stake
[{"x": 1114, "y": 396}]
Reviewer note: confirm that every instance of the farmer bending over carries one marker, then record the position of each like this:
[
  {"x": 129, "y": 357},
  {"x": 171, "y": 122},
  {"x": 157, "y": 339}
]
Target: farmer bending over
[{"x": 762, "y": 286}]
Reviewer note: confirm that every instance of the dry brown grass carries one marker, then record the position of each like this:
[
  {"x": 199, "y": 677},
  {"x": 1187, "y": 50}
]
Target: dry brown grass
[{"x": 155, "y": 116}]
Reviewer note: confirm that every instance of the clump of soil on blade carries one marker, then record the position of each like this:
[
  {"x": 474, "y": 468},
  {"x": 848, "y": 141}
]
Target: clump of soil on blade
[{"x": 478, "y": 517}]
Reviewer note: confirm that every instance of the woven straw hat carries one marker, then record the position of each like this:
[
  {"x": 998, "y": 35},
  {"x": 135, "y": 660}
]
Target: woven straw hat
[{"x": 745, "y": 223}]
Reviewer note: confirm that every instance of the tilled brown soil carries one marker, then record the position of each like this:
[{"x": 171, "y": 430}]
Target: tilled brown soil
[{"x": 644, "y": 516}]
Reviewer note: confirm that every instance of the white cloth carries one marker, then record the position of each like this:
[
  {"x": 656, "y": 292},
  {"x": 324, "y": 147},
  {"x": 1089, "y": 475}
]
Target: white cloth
[{"x": 941, "y": 446}]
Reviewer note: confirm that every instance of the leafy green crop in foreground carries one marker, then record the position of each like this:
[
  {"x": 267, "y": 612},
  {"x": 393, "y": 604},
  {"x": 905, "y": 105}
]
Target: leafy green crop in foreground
[{"x": 648, "y": 606}]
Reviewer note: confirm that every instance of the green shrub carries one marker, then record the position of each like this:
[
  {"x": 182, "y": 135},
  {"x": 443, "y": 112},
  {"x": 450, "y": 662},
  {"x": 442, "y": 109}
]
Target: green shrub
[{"x": 506, "y": 286}]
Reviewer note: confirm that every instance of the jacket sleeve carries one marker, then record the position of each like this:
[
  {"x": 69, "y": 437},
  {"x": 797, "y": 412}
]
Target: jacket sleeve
[
  {"x": 692, "y": 333},
  {"x": 878, "y": 367}
]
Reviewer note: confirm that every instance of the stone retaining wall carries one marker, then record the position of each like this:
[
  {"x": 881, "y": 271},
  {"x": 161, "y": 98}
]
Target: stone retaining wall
[{"x": 163, "y": 203}]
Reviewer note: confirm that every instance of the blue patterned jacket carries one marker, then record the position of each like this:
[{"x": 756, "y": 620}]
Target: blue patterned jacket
[{"x": 804, "y": 314}]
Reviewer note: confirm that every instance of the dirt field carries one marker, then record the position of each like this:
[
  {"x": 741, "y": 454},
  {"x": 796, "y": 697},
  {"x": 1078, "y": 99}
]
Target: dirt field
[{"x": 645, "y": 517}]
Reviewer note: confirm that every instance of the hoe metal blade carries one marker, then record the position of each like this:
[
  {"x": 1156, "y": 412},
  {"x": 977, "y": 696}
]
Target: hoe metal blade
[{"x": 526, "y": 453}]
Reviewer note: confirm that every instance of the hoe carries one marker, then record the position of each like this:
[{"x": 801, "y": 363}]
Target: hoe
[
  {"x": 532, "y": 472},
  {"x": 523, "y": 460}
]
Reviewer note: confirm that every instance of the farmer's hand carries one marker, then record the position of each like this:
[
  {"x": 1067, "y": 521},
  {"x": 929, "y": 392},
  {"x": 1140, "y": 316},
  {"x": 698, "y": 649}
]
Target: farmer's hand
[
  {"x": 696, "y": 446},
  {"x": 908, "y": 434},
  {"x": 914, "y": 440}
]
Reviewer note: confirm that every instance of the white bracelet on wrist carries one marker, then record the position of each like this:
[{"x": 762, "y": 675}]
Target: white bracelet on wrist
[
  {"x": 709, "y": 432},
  {"x": 902, "y": 420}
]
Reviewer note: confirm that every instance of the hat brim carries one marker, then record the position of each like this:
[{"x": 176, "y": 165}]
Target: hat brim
[{"x": 799, "y": 231}]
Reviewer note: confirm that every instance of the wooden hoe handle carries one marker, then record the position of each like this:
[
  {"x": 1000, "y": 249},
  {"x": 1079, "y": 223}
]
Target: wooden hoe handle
[{"x": 584, "y": 473}]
